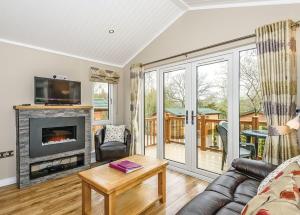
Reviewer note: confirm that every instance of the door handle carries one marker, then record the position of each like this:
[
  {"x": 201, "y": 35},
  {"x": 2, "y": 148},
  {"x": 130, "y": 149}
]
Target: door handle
[
  {"x": 186, "y": 117},
  {"x": 192, "y": 117}
]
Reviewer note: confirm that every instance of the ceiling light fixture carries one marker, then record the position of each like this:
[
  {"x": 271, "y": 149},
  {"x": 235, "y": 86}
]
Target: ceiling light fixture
[{"x": 111, "y": 31}]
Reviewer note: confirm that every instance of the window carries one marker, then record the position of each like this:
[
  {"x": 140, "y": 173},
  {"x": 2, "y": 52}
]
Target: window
[{"x": 102, "y": 103}]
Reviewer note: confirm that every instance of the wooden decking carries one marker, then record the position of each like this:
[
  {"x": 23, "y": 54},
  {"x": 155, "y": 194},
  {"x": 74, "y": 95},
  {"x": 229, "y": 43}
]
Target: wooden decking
[
  {"x": 207, "y": 160},
  {"x": 63, "y": 196}
]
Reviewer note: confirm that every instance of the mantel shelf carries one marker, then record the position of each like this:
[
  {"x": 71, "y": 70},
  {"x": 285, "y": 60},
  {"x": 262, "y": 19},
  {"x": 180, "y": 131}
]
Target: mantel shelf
[{"x": 50, "y": 107}]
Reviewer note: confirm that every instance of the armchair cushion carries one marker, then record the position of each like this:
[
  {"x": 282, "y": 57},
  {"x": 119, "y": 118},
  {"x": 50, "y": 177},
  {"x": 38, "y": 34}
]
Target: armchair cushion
[
  {"x": 113, "y": 150},
  {"x": 114, "y": 133}
]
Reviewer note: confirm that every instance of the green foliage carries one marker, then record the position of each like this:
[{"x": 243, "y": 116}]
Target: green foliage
[{"x": 150, "y": 103}]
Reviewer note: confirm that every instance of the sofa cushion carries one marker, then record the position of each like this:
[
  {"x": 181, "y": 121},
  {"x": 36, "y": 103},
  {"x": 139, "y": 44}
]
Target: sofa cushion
[
  {"x": 253, "y": 168},
  {"x": 276, "y": 171},
  {"x": 280, "y": 196},
  {"x": 206, "y": 203},
  {"x": 231, "y": 208}
]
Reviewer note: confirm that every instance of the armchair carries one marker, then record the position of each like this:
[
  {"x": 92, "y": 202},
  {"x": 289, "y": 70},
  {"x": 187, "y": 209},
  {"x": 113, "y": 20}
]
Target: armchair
[{"x": 111, "y": 150}]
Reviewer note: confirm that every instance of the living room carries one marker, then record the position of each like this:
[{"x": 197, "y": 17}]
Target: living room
[{"x": 200, "y": 98}]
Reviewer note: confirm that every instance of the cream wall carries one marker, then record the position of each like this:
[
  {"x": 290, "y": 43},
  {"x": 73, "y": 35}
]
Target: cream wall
[
  {"x": 201, "y": 28},
  {"x": 18, "y": 66}
]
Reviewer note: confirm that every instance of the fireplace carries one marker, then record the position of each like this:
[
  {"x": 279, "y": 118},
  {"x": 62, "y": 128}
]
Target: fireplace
[{"x": 55, "y": 135}]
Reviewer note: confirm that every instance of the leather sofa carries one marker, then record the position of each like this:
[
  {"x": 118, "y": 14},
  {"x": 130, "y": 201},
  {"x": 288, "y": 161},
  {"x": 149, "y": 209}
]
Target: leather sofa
[
  {"x": 230, "y": 192},
  {"x": 111, "y": 150}
]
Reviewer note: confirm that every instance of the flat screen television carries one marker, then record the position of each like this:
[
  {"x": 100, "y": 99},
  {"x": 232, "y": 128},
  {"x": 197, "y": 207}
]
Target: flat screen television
[{"x": 56, "y": 91}]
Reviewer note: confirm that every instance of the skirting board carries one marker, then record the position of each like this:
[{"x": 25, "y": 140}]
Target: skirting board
[{"x": 7, "y": 181}]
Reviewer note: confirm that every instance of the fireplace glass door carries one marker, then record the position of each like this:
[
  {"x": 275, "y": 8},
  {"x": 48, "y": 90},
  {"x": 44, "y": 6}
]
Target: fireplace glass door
[{"x": 56, "y": 135}]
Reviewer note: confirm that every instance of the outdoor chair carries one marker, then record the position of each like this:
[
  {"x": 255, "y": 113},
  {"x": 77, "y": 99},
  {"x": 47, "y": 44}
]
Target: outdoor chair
[{"x": 247, "y": 150}]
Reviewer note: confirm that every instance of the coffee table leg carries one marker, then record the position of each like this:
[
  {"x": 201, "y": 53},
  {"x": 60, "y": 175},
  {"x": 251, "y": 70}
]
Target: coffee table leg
[
  {"x": 86, "y": 198},
  {"x": 162, "y": 185},
  {"x": 109, "y": 204}
]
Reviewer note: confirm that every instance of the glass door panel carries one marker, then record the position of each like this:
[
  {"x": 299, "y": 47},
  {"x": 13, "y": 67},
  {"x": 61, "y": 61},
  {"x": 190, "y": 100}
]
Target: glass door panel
[
  {"x": 253, "y": 123},
  {"x": 174, "y": 112},
  {"x": 150, "y": 114},
  {"x": 212, "y": 115}
]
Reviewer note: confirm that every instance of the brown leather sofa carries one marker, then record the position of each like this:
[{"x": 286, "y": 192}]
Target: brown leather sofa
[
  {"x": 111, "y": 151},
  {"x": 230, "y": 192}
]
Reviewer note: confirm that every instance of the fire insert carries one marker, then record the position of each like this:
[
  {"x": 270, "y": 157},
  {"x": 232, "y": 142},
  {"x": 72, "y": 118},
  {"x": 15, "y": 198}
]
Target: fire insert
[{"x": 56, "y": 135}]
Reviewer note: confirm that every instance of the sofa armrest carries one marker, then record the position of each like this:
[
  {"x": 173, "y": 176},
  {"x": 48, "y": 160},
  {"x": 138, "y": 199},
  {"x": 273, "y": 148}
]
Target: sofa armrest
[{"x": 253, "y": 168}]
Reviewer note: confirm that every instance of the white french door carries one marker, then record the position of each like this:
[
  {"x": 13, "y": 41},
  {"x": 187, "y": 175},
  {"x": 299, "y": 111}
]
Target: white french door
[
  {"x": 212, "y": 114},
  {"x": 197, "y": 113},
  {"x": 174, "y": 106}
]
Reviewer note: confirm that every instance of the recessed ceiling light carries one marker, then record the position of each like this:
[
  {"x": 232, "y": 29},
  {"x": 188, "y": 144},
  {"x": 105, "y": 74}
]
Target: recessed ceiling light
[{"x": 111, "y": 31}]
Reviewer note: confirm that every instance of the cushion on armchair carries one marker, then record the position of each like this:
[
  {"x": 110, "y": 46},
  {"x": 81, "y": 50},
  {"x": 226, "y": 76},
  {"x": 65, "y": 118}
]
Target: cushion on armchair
[{"x": 114, "y": 133}]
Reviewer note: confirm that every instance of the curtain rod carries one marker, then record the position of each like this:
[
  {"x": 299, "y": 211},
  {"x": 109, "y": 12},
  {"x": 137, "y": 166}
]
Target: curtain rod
[{"x": 296, "y": 24}]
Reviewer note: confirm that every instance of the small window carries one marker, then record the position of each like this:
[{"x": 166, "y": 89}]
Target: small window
[
  {"x": 101, "y": 101},
  {"x": 102, "y": 104}
]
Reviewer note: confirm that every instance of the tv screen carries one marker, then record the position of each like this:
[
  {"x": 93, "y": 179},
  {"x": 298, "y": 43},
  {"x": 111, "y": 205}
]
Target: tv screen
[{"x": 55, "y": 91}]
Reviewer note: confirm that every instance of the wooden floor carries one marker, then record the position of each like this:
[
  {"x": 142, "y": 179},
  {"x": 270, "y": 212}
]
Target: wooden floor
[{"x": 63, "y": 196}]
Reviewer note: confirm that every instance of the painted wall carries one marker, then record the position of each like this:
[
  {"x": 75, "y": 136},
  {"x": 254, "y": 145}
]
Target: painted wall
[
  {"x": 18, "y": 66},
  {"x": 197, "y": 29}
]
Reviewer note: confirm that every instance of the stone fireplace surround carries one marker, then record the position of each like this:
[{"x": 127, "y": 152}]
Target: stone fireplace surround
[{"x": 23, "y": 116}]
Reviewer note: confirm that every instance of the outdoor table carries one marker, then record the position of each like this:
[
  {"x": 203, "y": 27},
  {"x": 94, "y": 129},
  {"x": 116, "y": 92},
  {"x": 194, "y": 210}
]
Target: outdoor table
[{"x": 256, "y": 134}]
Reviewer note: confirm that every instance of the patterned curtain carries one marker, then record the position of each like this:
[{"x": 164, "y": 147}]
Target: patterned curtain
[
  {"x": 136, "y": 74},
  {"x": 276, "y": 47},
  {"x": 104, "y": 76}
]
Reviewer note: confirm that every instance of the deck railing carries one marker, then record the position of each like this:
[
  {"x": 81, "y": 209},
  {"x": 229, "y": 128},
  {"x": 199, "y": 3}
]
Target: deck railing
[{"x": 206, "y": 130}]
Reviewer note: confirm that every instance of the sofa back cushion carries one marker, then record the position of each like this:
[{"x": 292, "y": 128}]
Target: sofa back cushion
[
  {"x": 280, "y": 196},
  {"x": 253, "y": 168}
]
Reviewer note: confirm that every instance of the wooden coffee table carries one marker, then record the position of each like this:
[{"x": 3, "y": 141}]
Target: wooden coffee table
[{"x": 125, "y": 193}]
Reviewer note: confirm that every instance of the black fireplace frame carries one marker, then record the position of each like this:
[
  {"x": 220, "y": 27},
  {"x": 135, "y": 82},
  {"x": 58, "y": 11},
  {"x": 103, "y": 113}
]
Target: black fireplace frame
[{"x": 37, "y": 149}]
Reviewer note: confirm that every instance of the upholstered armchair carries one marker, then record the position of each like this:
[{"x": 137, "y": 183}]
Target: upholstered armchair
[{"x": 111, "y": 150}]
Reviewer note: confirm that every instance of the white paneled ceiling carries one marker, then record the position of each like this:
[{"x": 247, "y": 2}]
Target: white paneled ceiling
[
  {"x": 80, "y": 28},
  {"x": 205, "y": 4}
]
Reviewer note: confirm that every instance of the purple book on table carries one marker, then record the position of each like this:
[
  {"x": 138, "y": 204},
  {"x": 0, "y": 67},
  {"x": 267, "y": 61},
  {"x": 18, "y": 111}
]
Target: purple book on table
[{"x": 125, "y": 166}]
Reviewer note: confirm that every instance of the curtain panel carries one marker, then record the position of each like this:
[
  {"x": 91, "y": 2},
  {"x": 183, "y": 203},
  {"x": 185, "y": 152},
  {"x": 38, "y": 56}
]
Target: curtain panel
[
  {"x": 276, "y": 45},
  {"x": 104, "y": 76},
  {"x": 136, "y": 76}
]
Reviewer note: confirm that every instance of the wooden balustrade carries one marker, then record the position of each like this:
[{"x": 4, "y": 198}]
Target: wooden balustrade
[{"x": 174, "y": 128}]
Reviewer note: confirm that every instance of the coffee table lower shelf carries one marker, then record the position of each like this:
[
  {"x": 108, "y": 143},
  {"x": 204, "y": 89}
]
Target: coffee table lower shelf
[{"x": 136, "y": 200}]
